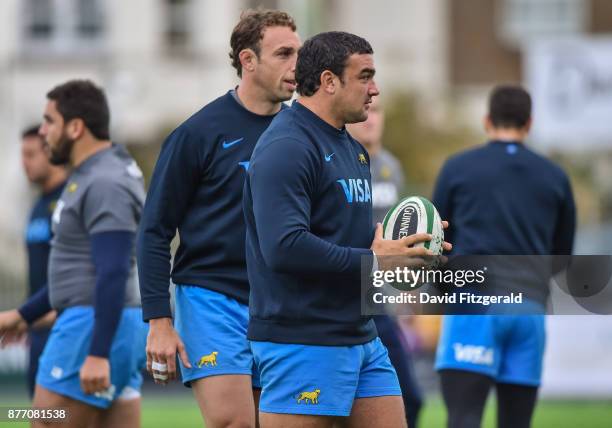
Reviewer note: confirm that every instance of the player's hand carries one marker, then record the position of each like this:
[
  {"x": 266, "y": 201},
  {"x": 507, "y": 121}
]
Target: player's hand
[
  {"x": 95, "y": 374},
  {"x": 446, "y": 246},
  {"x": 45, "y": 322},
  {"x": 400, "y": 252},
  {"x": 13, "y": 338},
  {"x": 163, "y": 343},
  {"x": 12, "y": 326}
]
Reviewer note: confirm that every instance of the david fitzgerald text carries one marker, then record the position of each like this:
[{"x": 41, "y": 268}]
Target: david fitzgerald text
[{"x": 423, "y": 297}]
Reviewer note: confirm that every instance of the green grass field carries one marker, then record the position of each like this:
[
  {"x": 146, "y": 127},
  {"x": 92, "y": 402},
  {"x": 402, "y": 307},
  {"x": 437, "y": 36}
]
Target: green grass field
[
  {"x": 183, "y": 413},
  {"x": 180, "y": 411}
]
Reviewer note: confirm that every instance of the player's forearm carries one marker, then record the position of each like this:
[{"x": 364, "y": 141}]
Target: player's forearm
[
  {"x": 111, "y": 253},
  {"x": 566, "y": 226},
  {"x": 36, "y": 306},
  {"x": 303, "y": 252},
  {"x": 46, "y": 321},
  {"x": 282, "y": 184},
  {"x": 153, "y": 260},
  {"x": 286, "y": 243},
  {"x": 174, "y": 181}
]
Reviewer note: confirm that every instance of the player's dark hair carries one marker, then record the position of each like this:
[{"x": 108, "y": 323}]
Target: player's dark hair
[
  {"x": 82, "y": 99},
  {"x": 249, "y": 32},
  {"x": 31, "y": 131},
  {"x": 326, "y": 51},
  {"x": 509, "y": 106}
]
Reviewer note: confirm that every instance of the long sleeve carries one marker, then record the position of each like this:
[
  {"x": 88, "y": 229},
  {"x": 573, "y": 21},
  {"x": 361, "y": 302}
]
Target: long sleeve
[
  {"x": 281, "y": 191},
  {"x": 111, "y": 253},
  {"x": 175, "y": 178},
  {"x": 36, "y": 306},
  {"x": 565, "y": 229},
  {"x": 442, "y": 200}
]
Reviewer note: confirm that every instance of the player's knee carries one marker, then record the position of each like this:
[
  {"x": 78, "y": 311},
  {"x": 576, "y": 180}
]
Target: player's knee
[
  {"x": 412, "y": 406},
  {"x": 229, "y": 420}
]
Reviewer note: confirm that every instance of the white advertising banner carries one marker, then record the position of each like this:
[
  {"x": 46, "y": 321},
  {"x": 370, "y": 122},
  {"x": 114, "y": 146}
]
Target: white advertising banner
[
  {"x": 571, "y": 84},
  {"x": 578, "y": 357}
]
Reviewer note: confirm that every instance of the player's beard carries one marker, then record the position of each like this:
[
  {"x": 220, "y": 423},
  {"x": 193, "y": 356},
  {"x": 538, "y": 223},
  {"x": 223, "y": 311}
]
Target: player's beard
[
  {"x": 355, "y": 116},
  {"x": 277, "y": 94},
  {"x": 60, "y": 154}
]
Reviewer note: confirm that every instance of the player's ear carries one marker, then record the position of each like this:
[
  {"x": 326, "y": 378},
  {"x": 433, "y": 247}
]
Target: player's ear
[
  {"x": 487, "y": 124},
  {"x": 248, "y": 59},
  {"x": 528, "y": 125},
  {"x": 328, "y": 82},
  {"x": 75, "y": 128}
]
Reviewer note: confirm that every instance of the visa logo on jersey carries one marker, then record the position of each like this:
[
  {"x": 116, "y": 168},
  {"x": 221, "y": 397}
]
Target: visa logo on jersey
[{"x": 356, "y": 190}]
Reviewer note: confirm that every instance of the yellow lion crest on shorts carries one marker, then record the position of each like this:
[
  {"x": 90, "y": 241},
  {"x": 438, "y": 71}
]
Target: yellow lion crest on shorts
[
  {"x": 312, "y": 396},
  {"x": 208, "y": 359}
]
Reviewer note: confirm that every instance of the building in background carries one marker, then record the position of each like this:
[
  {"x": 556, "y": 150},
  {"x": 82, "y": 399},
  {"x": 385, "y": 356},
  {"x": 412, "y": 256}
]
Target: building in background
[
  {"x": 160, "y": 60},
  {"x": 490, "y": 40}
]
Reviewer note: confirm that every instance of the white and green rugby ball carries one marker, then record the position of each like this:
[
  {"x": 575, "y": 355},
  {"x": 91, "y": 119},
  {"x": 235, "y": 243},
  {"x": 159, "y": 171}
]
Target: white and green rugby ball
[{"x": 411, "y": 215}]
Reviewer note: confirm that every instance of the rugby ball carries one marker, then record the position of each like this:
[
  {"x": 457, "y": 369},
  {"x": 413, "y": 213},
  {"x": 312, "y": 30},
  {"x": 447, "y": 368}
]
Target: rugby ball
[{"x": 411, "y": 215}]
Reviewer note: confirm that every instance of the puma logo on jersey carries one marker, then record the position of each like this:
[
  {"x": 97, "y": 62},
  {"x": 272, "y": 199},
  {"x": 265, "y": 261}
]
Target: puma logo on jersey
[
  {"x": 309, "y": 396},
  {"x": 208, "y": 359}
]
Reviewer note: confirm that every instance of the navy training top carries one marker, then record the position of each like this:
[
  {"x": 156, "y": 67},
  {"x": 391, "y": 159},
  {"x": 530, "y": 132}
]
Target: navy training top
[
  {"x": 38, "y": 238},
  {"x": 502, "y": 198},
  {"x": 197, "y": 188},
  {"x": 308, "y": 210}
]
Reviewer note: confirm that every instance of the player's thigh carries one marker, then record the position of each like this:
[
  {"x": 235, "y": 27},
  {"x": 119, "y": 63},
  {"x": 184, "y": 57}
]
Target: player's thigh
[
  {"x": 68, "y": 346},
  {"x": 122, "y": 414},
  {"x": 280, "y": 420},
  {"x": 78, "y": 413},
  {"x": 515, "y": 405},
  {"x": 471, "y": 343},
  {"x": 307, "y": 380},
  {"x": 225, "y": 400},
  {"x": 522, "y": 361},
  {"x": 465, "y": 394},
  {"x": 219, "y": 349},
  {"x": 377, "y": 377},
  {"x": 378, "y": 412},
  {"x": 256, "y": 398}
]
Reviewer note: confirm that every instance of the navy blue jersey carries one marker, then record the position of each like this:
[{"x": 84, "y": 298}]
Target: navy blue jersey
[
  {"x": 38, "y": 238},
  {"x": 308, "y": 210},
  {"x": 197, "y": 189},
  {"x": 503, "y": 199}
]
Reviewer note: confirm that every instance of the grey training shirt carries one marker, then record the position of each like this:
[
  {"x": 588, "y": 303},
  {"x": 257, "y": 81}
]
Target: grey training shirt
[
  {"x": 105, "y": 193},
  {"x": 387, "y": 183}
]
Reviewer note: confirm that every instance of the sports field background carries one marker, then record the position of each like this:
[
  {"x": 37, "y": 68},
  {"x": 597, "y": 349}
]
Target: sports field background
[
  {"x": 436, "y": 61},
  {"x": 174, "y": 407}
]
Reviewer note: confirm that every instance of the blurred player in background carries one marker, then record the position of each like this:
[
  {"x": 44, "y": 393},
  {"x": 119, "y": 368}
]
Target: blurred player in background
[
  {"x": 92, "y": 361},
  {"x": 501, "y": 199},
  {"x": 308, "y": 210},
  {"x": 197, "y": 188},
  {"x": 387, "y": 174},
  {"x": 49, "y": 179},
  {"x": 387, "y": 187}
]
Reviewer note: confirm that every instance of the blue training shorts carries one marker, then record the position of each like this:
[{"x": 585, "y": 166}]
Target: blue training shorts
[
  {"x": 68, "y": 346},
  {"x": 508, "y": 348},
  {"x": 322, "y": 380},
  {"x": 213, "y": 328}
]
